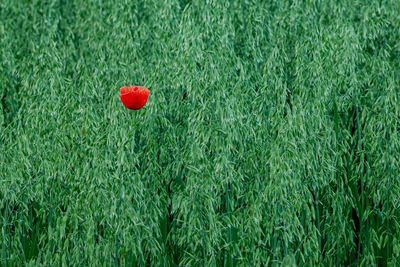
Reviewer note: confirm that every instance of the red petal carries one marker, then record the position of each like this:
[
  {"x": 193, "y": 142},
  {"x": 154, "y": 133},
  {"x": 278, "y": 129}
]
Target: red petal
[
  {"x": 125, "y": 90},
  {"x": 134, "y": 97}
]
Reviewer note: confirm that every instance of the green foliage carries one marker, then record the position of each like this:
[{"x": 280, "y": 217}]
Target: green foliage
[{"x": 271, "y": 135}]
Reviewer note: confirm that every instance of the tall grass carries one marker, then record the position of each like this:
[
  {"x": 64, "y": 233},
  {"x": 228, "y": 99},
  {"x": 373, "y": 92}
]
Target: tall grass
[{"x": 270, "y": 137}]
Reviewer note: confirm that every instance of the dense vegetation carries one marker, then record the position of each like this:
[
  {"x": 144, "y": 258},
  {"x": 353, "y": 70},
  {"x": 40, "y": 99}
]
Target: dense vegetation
[{"x": 271, "y": 134}]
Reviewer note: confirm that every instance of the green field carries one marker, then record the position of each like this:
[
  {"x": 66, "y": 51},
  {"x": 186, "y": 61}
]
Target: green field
[{"x": 271, "y": 136}]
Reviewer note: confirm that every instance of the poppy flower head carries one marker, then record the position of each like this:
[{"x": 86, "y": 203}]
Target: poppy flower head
[{"x": 134, "y": 97}]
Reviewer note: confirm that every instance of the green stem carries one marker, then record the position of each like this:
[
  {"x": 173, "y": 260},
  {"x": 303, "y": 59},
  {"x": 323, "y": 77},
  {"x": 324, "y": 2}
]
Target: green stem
[{"x": 133, "y": 131}]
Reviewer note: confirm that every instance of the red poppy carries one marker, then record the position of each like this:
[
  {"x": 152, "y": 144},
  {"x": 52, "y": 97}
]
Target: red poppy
[{"x": 134, "y": 97}]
